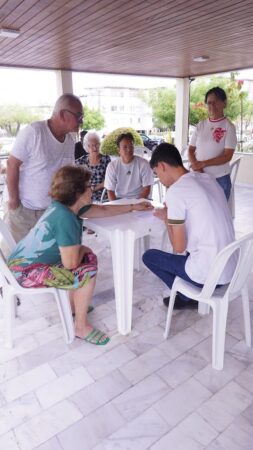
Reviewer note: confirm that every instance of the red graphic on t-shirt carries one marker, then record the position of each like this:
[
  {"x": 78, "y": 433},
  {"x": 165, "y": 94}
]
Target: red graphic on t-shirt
[{"x": 218, "y": 134}]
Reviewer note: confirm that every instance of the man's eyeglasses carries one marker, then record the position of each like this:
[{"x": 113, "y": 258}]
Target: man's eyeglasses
[{"x": 78, "y": 116}]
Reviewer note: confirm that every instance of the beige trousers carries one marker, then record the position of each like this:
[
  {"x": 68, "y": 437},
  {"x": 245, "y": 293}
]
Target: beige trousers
[{"x": 21, "y": 220}]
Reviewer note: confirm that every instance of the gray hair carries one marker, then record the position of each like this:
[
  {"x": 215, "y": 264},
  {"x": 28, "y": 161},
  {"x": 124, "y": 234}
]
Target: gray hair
[
  {"x": 90, "y": 135},
  {"x": 65, "y": 101}
]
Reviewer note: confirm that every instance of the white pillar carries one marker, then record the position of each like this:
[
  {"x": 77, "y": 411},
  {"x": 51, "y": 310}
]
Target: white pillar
[
  {"x": 64, "y": 83},
  {"x": 182, "y": 109}
]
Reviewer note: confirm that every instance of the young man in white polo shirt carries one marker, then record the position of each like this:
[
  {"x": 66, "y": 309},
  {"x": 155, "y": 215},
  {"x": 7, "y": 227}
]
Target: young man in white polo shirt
[{"x": 198, "y": 220}]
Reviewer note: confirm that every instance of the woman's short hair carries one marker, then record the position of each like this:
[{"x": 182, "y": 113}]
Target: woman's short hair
[
  {"x": 218, "y": 92},
  {"x": 90, "y": 135},
  {"x": 122, "y": 136},
  {"x": 69, "y": 183}
]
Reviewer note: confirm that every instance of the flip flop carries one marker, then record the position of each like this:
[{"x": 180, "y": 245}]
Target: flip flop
[
  {"x": 96, "y": 337},
  {"x": 90, "y": 308}
]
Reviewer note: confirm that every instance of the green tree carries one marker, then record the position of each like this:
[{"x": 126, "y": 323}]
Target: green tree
[
  {"x": 163, "y": 103},
  {"x": 93, "y": 119},
  {"x": 200, "y": 86},
  {"x": 247, "y": 112},
  {"x": 163, "y": 100},
  {"x": 109, "y": 146},
  {"x": 197, "y": 108},
  {"x": 12, "y": 116}
]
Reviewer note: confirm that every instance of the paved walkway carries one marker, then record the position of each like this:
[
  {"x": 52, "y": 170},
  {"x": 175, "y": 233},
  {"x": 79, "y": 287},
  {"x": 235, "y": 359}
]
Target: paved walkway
[{"x": 139, "y": 392}]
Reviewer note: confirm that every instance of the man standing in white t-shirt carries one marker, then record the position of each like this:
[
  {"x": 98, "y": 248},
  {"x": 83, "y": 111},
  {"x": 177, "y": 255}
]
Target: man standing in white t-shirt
[
  {"x": 128, "y": 176},
  {"x": 198, "y": 220},
  {"x": 39, "y": 151}
]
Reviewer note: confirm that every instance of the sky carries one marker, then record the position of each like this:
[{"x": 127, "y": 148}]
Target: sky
[{"x": 38, "y": 87}]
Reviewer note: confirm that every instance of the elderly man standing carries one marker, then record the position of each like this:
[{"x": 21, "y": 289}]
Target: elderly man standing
[{"x": 38, "y": 152}]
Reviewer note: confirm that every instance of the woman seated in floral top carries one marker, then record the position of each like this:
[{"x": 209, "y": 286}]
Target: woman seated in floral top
[
  {"x": 52, "y": 253},
  {"x": 96, "y": 163}
]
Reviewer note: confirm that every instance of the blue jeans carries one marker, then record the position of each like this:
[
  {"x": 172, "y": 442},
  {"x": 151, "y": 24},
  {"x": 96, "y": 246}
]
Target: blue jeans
[
  {"x": 167, "y": 266},
  {"x": 225, "y": 183}
]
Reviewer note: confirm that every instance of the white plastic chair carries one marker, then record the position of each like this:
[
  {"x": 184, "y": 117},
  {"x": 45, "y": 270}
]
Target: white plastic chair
[
  {"x": 139, "y": 151},
  {"x": 102, "y": 198},
  {"x": 11, "y": 289},
  {"x": 2, "y": 184},
  {"x": 219, "y": 298},
  {"x": 234, "y": 166},
  {"x": 159, "y": 185}
]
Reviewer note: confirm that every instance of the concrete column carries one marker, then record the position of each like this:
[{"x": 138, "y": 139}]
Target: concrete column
[
  {"x": 182, "y": 110},
  {"x": 64, "y": 83}
]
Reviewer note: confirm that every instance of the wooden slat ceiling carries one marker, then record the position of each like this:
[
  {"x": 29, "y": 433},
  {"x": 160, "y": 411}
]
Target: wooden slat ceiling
[{"x": 139, "y": 37}]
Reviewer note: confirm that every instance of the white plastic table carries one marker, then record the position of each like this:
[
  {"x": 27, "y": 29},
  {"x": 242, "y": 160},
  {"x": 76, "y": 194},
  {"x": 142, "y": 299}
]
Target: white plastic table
[{"x": 122, "y": 232}]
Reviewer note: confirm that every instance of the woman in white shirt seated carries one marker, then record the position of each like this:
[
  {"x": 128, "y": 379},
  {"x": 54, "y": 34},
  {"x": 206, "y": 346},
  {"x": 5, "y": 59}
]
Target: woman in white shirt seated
[{"x": 129, "y": 176}]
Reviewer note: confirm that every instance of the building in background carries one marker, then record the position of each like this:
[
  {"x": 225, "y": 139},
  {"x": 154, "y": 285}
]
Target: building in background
[{"x": 120, "y": 106}]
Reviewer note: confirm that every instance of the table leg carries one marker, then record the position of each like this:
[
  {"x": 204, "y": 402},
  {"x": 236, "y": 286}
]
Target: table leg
[
  {"x": 141, "y": 245},
  {"x": 137, "y": 254},
  {"x": 122, "y": 245},
  {"x": 146, "y": 242}
]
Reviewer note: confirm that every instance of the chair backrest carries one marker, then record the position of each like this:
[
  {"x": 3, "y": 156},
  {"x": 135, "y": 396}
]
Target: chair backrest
[
  {"x": 2, "y": 181},
  {"x": 243, "y": 250},
  {"x": 7, "y": 240},
  {"x": 102, "y": 198},
  {"x": 139, "y": 151},
  {"x": 159, "y": 185},
  {"x": 7, "y": 277},
  {"x": 6, "y": 235},
  {"x": 185, "y": 157},
  {"x": 184, "y": 152},
  {"x": 234, "y": 166}
]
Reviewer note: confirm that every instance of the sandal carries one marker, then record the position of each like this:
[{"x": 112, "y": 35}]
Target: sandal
[{"x": 96, "y": 337}]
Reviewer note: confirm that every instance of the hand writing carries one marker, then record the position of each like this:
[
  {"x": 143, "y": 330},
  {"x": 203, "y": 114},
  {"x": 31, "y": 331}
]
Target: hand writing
[{"x": 143, "y": 206}]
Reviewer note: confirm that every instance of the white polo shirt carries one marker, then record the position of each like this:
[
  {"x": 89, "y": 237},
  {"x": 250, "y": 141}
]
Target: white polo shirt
[{"x": 197, "y": 201}]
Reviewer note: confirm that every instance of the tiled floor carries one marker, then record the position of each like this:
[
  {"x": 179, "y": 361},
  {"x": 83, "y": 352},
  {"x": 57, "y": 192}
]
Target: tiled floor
[{"x": 139, "y": 392}]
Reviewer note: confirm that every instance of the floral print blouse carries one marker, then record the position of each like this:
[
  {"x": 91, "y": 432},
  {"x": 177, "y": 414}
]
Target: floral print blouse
[{"x": 97, "y": 173}]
